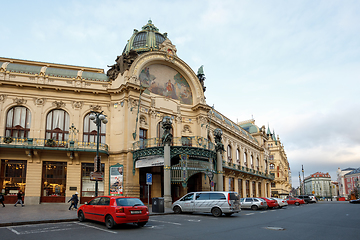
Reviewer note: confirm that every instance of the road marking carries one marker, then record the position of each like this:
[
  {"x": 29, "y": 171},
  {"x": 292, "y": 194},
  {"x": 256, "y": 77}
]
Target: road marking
[
  {"x": 194, "y": 220},
  {"x": 263, "y": 212},
  {"x": 164, "y": 222},
  {"x": 249, "y": 214},
  {"x": 13, "y": 230},
  {"x": 105, "y": 230}
]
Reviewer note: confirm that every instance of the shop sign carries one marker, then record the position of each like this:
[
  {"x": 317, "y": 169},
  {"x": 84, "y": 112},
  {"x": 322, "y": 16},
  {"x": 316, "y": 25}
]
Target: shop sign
[{"x": 150, "y": 162}]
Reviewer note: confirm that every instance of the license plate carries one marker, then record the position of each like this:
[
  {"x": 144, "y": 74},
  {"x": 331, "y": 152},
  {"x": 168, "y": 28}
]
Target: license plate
[{"x": 135, "y": 212}]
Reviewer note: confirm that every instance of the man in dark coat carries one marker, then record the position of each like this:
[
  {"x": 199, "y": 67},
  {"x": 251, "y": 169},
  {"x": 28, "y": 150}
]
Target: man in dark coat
[
  {"x": 74, "y": 201},
  {"x": 19, "y": 198},
  {"x": 2, "y": 198}
]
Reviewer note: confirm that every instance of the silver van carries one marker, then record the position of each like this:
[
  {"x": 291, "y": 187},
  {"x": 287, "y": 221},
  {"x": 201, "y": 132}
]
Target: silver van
[{"x": 215, "y": 203}]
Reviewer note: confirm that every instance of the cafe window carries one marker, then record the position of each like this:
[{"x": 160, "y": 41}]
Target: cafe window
[
  {"x": 12, "y": 176},
  {"x": 254, "y": 189},
  {"x": 57, "y": 125},
  {"x": 18, "y": 121},
  {"x": 231, "y": 184},
  {"x": 259, "y": 188},
  {"x": 90, "y": 130},
  {"x": 87, "y": 186},
  {"x": 240, "y": 188},
  {"x": 247, "y": 185},
  {"x": 54, "y": 179}
]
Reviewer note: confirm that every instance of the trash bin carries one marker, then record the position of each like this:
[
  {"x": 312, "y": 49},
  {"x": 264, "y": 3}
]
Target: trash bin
[{"x": 158, "y": 205}]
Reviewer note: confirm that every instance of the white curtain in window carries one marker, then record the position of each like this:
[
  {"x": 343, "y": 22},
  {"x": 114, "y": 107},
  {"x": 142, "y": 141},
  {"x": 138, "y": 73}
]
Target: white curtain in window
[
  {"x": 17, "y": 116},
  {"x": 9, "y": 118}
]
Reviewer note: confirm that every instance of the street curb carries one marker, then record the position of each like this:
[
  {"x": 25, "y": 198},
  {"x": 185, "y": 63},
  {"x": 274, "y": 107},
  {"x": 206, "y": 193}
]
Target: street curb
[{"x": 60, "y": 220}]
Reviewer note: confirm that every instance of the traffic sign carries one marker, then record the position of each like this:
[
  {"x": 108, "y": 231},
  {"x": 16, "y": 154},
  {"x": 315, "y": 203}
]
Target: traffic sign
[{"x": 149, "y": 178}]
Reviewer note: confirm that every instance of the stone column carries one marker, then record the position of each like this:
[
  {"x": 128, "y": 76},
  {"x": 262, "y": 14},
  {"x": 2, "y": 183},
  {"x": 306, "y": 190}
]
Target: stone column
[
  {"x": 166, "y": 140},
  {"x": 219, "y": 150},
  {"x": 167, "y": 177}
]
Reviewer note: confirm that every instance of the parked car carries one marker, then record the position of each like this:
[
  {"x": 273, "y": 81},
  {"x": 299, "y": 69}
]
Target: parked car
[
  {"x": 355, "y": 201},
  {"x": 114, "y": 210},
  {"x": 295, "y": 201},
  {"x": 271, "y": 202},
  {"x": 306, "y": 198},
  {"x": 313, "y": 198},
  {"x": 253, "y": 203},
  {"x": 281, "y": 202},
  {"x": 212, "y": 202}
]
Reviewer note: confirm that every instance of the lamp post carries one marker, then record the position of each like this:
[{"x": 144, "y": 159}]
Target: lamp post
[
  {"x": 302, "y": 169},
  {"x": 97, "y": 118}
]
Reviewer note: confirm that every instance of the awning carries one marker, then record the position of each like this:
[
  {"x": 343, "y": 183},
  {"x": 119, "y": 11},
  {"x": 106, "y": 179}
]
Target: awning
[{"x": 152, "y": 161}]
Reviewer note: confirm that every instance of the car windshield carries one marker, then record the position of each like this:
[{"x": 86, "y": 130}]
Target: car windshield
[{"x": 129, "y": 202}]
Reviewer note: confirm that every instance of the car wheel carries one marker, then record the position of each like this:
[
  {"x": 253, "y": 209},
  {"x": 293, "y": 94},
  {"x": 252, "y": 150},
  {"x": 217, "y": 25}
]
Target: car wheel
[
  {"x": 297, "y": 203},
  {"x": 254, "y": 207},
  {"x": 177, "y": 210},
  {"x": 109, "y": 221},
  {"x": 216, "y": 212},
  {"x": 228, "y": 214},
  {"x": 141, "y": 224},
  {"x": 81, "y": 216}
]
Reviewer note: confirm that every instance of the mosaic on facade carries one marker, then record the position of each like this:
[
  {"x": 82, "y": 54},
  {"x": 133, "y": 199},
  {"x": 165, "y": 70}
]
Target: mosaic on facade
[{"x": 165, "y": 81}]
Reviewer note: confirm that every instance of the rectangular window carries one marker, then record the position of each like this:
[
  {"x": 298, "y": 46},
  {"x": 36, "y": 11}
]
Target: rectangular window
[
  {"x": 13, "y": 176},
  {"x": 231, "y": 184},
  {"x": 87, "y": 186},
  {"x": 240, "y": 187},
  {"x": 142, "y": 138},
  {"x": 54, "y": 179},
  {"x": 271, "y": 157},
  {"x": 247, "y": 185}
]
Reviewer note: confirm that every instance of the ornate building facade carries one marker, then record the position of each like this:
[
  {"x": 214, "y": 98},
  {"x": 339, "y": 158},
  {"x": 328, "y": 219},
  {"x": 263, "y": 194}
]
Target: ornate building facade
[
  {"x": 158, "y": 122},
  {"x": 279, "y": 166}
]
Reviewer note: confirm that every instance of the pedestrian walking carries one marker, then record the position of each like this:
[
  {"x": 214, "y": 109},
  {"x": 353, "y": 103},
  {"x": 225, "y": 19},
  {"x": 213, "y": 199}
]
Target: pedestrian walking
[
  {"x": 2, "y": 198},
  {"x": 74, "y": 201},
  {"x": 19, "y": 198}
]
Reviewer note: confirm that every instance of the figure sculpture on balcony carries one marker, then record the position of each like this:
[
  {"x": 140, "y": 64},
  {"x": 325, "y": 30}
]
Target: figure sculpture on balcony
[
  {"x": 166, "y": 125},
  {"x": 218, "y": 137}
]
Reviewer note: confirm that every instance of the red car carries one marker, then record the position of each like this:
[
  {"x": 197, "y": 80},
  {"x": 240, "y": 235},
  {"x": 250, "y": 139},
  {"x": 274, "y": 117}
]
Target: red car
[
  {"x": 271, "y": 203},
  {"x": 114, "y": 210},
  {"x": 296, "y": 201}
]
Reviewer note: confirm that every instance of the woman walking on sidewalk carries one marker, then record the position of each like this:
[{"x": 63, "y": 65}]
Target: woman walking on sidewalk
[
  {"x": 19, "y": 197},
  {"x": 74, "y": 201}
]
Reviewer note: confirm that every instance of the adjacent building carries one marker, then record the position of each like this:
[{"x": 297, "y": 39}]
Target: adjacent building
[
  {"x": 341, "y": 180},
  {"x": 318, "y": 184},
  {"x": 146, "y": 115},
  {"x": 352, "y": 181},
  {"x": 279, "y": 166}
]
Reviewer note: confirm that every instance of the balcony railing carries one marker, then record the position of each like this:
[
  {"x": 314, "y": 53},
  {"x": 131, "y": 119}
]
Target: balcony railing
[
  {"x": 41, "y": 143},
  {"x": 198, "y": 142},
  {"x": 247, "y": 170}
]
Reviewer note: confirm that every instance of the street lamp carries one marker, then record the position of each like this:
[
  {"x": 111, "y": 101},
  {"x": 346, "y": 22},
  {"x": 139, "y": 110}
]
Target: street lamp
[{"x": 97, "y": 118}]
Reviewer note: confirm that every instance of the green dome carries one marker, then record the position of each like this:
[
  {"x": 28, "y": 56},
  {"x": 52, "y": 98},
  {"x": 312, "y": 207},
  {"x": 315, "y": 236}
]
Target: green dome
[{"x": 148, "y": 39}]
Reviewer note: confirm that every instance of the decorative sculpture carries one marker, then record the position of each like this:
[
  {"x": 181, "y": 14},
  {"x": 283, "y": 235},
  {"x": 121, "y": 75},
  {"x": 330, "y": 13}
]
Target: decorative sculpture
[
  {"x": 201, "y": 77},
  {"x": 218, "y": 136},
  {"x": 166, "y": 125},
  {"x": 123, "y": 63}
]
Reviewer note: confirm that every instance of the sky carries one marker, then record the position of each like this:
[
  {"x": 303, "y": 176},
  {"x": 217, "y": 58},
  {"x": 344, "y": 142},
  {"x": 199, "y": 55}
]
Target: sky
[{"x": 293, "y": 66}]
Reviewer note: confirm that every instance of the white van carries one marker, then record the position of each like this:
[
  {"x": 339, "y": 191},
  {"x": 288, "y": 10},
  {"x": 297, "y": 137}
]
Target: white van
[{"x": 215, "y": 203}]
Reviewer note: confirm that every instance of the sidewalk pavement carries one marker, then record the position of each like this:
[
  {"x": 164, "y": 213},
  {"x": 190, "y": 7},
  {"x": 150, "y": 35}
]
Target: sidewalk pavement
[{"x": 44, "y": 213}]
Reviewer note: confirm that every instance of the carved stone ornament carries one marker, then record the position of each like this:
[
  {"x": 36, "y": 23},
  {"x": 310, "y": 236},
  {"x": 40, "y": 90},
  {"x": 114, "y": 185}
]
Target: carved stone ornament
[
  {"x": 166, "y": 125},
  {"x": 169, "y": 49},
  {"x": 77, "y": 104},
  {"x": 187, "y": 130},
  {"x": 143, "y": 121},
  {"x": 39, "y": 101},
  {"x": 20, "y": 101},
  {"x": 58, "y": 104},
  {"x": 201, "y": 77},
  {"x": 2, "y": 97},
  {"x": 123, "y": 63},
  {"x": 95, "y": 108},
  {"x": 218, "y": 136}
]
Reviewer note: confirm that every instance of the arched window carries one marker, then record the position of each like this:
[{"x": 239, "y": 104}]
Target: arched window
[
  {"x": 57, "y": 125},
  {"x": 18, "y": 120},
  {"x": 272, "y": 166},
  {"x": 229, "y": 153},
  {"x": 258, "y": 164},
  {"x": 252, "y": 161},
  {"x": 90, "y": 130}
]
